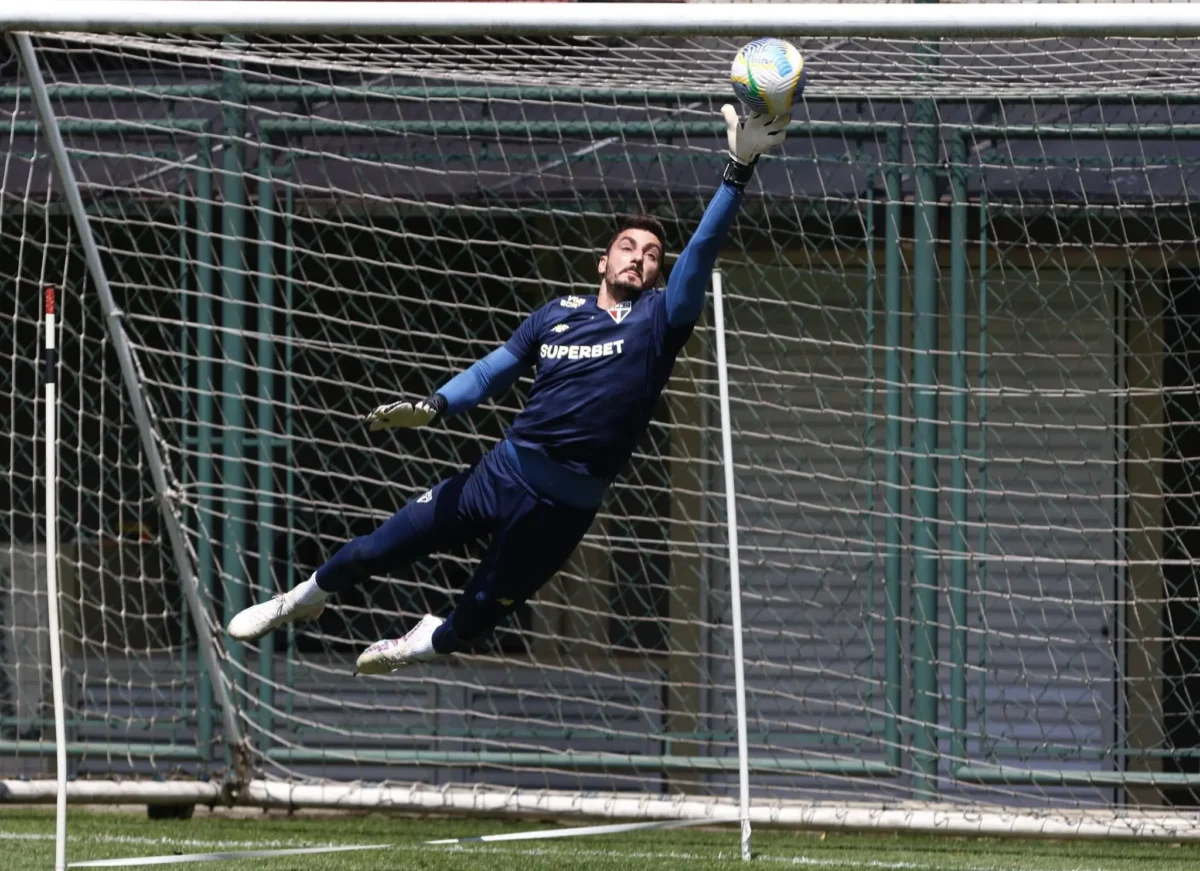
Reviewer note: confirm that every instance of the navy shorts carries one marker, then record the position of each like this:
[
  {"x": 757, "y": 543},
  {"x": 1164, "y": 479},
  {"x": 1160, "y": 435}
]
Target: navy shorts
[{"x": 531, "y": 538}]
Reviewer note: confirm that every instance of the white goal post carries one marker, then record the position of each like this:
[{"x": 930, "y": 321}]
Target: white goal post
[{"x": 952, "y": 591}]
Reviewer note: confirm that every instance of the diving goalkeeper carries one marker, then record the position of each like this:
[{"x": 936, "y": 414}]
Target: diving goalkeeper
[{"x": 601, "y": 363}]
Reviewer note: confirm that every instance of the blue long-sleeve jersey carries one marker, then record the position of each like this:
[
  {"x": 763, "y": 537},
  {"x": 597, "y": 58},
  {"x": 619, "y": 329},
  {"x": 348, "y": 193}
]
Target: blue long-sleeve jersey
[{"x": 599, "y": 373}]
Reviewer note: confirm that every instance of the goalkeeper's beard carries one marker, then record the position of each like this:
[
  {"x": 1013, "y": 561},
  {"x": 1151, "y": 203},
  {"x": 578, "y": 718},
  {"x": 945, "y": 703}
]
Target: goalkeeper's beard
[{"x": 623, "y": 290}]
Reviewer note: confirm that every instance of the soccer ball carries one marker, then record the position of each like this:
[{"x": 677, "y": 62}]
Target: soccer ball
[{"x": 767, "y": 75}]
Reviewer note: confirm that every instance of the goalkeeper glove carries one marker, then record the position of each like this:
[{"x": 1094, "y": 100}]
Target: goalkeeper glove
[
  {"x": 750, "y": 138},
  {"x": 407, "y": 414}
]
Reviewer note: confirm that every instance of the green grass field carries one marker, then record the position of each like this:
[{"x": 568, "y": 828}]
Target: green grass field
[{"x": 27, "y": 842}]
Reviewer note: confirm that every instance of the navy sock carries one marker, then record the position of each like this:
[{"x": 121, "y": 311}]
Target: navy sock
[
  {"x": 444, "y": 638},
  {"x": 327, "y": 587}
]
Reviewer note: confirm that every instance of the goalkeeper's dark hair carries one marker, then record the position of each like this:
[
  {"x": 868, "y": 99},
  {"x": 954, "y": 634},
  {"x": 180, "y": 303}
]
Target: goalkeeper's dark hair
[{"x": 649, "y": 223}]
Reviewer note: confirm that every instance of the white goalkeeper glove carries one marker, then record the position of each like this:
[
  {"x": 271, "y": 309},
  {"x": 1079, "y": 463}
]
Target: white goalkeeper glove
[
  {"x": 749, "y": 138},
  {"x": 407, "y": 414}
]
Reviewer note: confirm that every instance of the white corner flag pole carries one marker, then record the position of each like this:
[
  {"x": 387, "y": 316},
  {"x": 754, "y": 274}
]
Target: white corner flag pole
[
  {"x": 56, "y": 666},
  {"x": 735, "y": 581}
]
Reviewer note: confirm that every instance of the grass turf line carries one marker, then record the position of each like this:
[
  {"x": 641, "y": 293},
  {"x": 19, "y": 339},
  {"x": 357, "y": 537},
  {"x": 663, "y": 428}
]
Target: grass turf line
[{"x": 27, "y": 843}]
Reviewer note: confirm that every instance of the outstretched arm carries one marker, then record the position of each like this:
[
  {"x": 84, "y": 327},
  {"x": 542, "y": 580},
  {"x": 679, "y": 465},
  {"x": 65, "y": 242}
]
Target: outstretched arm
[
  {"x": 486, "y": 378},
  {"x": 747, "y": 140},
  {"x": 689, "y": 278}
]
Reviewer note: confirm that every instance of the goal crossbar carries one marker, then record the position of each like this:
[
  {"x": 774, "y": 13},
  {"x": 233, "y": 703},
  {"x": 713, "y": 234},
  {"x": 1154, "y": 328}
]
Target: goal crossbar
[{"x": 608, "y": 19}]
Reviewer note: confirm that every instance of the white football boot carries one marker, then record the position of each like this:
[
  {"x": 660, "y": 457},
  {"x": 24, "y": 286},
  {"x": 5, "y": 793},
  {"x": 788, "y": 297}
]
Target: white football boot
[
  {"x": 258, "y": 620},
  {"x": 393, "y": 653}
]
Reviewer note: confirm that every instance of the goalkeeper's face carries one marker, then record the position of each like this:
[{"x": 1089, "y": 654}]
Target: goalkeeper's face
[{"x": 633, "y": 262}]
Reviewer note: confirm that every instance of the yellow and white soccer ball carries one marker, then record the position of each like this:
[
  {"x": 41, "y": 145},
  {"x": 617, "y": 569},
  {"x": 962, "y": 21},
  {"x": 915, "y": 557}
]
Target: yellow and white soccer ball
[{"x": 768, "y": 75}]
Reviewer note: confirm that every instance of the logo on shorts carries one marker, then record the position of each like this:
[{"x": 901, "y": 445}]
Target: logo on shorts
[
  {"x": 572, "y": 302},
  {"x": 561, "y": 328},
  {"x": 427, "y": 496},
  {"x": 620, "y": 311}
]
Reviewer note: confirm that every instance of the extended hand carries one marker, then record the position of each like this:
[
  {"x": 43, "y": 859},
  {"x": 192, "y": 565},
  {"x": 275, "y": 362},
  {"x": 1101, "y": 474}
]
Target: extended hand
[
  {"x": 751, "y": 137},
  {"x": 402, "y": 414}
]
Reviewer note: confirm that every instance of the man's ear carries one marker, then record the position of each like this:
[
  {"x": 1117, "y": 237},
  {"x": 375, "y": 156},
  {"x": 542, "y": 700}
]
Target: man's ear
[{"x": 602, "y": 265}]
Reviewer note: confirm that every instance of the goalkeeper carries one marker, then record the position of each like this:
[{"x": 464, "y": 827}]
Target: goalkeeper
[{"x": 602, "y": 362}]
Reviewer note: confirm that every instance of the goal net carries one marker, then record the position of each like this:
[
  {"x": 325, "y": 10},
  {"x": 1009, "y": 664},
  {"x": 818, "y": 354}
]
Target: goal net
[{"x": 959, "y": 313}]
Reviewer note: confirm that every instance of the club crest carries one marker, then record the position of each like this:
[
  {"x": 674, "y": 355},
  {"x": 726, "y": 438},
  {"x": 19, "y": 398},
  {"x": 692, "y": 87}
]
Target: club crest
[{"x": 620, "y": 311}]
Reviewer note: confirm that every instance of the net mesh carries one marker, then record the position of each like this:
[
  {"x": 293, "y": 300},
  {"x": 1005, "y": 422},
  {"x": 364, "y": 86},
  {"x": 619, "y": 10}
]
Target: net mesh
[
  {"x": 852, "y": 67},
  {"x": 963, "y": 416}
]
